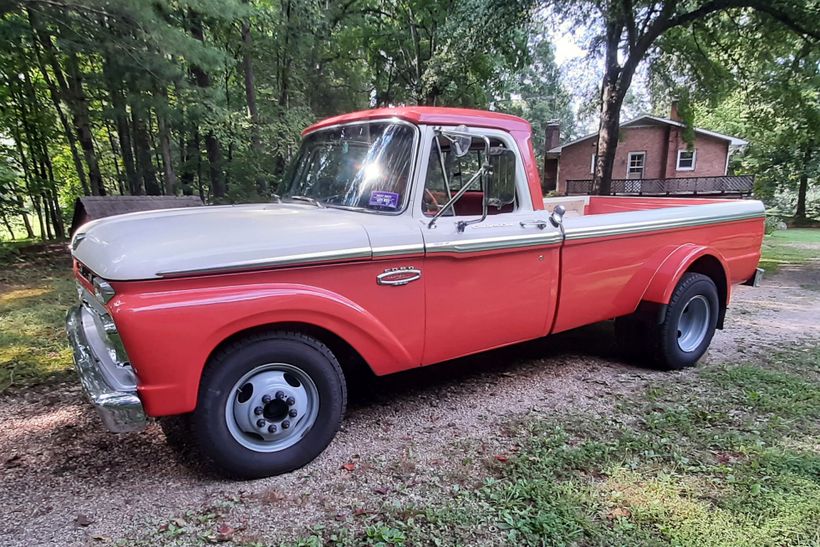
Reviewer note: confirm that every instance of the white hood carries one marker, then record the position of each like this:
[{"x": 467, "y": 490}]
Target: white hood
[{"x": 187, "y": 241}]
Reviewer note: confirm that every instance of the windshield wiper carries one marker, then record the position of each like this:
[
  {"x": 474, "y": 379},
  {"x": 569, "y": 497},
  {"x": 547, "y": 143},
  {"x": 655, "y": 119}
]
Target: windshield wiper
[{"x": 307, "y": 199}]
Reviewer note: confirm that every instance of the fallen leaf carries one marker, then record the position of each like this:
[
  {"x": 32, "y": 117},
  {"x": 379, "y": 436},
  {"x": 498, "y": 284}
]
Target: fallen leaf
[
  {"x": 83, "y": 520},
  {"x": 350, "y": 466},
  {"x": 502, "y": 458},
  {"x": 224, "y": 533},
  {"x": 618, "y": 512},
  {"x": 383, "y": 490},
  {"x": 359, "y": 512}
]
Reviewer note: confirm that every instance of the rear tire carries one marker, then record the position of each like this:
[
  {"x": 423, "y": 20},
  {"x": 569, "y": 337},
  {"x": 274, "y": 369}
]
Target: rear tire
[
  {"x": 289, "y": 381},
  {"x": 688, "y": 324}
]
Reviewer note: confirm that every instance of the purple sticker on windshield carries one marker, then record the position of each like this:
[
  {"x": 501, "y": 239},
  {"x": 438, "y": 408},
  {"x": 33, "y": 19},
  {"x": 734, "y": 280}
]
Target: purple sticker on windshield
[{"x": 384, "y": 199}]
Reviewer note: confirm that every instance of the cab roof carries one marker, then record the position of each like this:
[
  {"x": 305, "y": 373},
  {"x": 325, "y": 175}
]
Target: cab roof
[{"x": 430, "y": 115}]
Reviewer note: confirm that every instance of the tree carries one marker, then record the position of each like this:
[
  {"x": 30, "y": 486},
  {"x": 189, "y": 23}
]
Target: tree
[
  {"x": 753, "y": 78},
  {"x": 631, "y": 29}
]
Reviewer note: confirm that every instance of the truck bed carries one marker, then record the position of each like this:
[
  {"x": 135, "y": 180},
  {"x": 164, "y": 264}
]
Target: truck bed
[{"x": 616, "y": 246}]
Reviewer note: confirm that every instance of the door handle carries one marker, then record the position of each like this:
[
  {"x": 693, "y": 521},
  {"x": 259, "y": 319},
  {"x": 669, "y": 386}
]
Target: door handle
[{"x": 540, "y": 224}]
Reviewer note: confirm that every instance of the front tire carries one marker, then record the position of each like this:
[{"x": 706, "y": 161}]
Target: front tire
[
  {"x": 269, "y": 404},
  {"x": 687, "y": 327}
]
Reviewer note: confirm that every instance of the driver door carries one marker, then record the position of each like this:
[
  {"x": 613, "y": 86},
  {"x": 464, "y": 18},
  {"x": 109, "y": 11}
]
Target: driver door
[{"x": 487, "y": 283}]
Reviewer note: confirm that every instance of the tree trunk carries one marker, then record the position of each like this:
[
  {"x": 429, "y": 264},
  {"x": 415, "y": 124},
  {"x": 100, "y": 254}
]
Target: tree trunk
[
  {"x": 8, "y": 225},
  {"x": 116, "y": 154},
  {"x": 118, "y": 103},
  {"x": 616, "y": 82},
  {"x": 142, "y": 149},
  {"x": 79, "y": 105},
  {"x": 18, "y": 143},
  {"x": 165, "y": 146},
  {"x": 250, "y": 98},
  {"x": 189, "y": 163},
  {"x": 803, "y": 188},
  {"x": 212, "y": 146},
  {"x": 22, "y": 207},
  {"x": 284, "y": 73}
]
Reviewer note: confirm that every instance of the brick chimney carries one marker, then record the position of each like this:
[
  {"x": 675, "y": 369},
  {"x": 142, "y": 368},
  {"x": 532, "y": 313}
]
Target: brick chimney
[
  {"x": 553, "y": 134},
  {"x": 673, "y": 111}
]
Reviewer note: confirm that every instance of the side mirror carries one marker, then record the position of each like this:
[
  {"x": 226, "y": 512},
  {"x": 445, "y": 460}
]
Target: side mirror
[
  {"x": 460, "y": 140},
  {"x": 501, "y": 177},
  {"x": 557, "y": 215}
]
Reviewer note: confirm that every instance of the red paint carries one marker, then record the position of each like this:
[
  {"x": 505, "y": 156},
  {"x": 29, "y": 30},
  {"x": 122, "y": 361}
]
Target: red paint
[{"x": 464, "y": 302}]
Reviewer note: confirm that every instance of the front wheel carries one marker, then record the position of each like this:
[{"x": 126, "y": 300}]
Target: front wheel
[
  {"x": 269, "y": 404},
  {"x": 688, "y": 325}
]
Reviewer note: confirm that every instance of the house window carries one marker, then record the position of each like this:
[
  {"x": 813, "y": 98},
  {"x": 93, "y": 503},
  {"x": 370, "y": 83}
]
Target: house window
[
  {"x": 686, "y": 160},
  {"x": 635, "y": 165},
  {"x": 592, "y": 164}
]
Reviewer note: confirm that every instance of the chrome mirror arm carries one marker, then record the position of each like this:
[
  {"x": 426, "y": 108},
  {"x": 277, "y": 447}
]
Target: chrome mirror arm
[{"x": 485, "y": 169}]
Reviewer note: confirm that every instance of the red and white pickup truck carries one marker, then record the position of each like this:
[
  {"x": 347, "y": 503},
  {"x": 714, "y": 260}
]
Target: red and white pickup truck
[{"x": 404, "y": 237}]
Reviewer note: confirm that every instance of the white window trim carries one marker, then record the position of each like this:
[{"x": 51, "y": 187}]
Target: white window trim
[
  {"x": 592, "y": 164},
  {"x": 629, "y": 162},
  {"x": 694, "y": 159}
]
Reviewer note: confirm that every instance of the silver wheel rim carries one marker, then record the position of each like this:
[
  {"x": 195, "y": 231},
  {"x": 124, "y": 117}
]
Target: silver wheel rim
[
  {"x": 693, "y": 323},
  {"x": 272, "y": 407}
]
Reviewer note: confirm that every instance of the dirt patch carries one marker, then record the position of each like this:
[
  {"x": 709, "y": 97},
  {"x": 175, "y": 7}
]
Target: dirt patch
[{"x": 66, "y": 481}]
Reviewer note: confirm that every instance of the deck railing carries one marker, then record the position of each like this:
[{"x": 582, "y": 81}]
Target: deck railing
[{"x": 689, "y": 186}]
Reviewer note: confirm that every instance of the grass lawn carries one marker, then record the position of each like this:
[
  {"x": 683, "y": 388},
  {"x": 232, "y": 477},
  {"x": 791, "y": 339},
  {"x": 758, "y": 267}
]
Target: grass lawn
[
  {"x": 35, "y": 291},
  {"x": 725, "y": 456},
  {"x": 795, "y": 246}
]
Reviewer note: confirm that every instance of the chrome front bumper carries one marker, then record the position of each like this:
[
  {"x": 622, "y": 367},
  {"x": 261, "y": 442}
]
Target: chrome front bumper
[{"x": 116, "y": 401}]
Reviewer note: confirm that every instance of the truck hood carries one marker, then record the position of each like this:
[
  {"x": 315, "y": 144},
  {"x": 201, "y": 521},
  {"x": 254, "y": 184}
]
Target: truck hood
[{"x": 197, "y": 240}]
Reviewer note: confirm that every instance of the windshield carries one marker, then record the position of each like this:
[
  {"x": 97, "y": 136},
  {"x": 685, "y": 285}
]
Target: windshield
[{"x": 361, "y": 166}]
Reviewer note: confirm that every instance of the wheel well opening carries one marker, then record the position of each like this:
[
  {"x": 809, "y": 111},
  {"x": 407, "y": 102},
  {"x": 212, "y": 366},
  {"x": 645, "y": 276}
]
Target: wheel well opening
[
  {"x": 352, "y": 363},
  {"x": 711, "y": 267}
]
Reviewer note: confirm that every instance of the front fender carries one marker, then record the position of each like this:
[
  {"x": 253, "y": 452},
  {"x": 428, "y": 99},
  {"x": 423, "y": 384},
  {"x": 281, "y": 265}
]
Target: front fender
[{"x": 170, "y": 335}]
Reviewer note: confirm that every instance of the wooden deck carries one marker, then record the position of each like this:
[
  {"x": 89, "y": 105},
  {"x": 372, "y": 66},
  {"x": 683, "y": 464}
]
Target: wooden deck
[{"x": 728, "y": 186}]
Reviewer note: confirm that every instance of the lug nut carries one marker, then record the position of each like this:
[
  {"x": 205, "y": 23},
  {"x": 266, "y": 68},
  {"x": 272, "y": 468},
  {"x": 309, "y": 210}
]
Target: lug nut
[
  {"x": 257, "y": 410},
  {"x": 292, "y": 413},
  {"x": 285, "y": 424},
  {"x": 280, "y": 394},
  {"x": 272, "y": 428},
  {"x": 266, "y": 399},
  {"x": 291, "y": 401},
  {"x": 260, "y": 423}
]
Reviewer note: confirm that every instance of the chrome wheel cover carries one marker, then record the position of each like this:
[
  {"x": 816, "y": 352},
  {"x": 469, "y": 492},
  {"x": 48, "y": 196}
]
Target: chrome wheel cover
[
  {"x": 693, "y": 323},
  {"x": 272, "y": 407}
]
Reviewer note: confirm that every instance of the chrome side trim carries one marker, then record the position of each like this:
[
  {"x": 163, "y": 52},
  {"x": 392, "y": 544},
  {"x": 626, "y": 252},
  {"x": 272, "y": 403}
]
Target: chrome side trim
[
  {"x": 120, "y": 409},
  {"x": 276, "y": 262},
  {"x": 398, "y": 250},
  {"x": 587, "y": 232},
  {"x": 494, "y": 243}
]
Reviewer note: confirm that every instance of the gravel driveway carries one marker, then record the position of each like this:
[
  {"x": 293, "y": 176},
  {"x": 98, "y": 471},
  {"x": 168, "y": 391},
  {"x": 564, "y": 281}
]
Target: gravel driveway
[{"x": 66, "y": 481}]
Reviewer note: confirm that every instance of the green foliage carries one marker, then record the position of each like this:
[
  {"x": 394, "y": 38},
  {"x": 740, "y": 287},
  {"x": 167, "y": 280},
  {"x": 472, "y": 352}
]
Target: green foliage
[{"x": 750, "y": 76}]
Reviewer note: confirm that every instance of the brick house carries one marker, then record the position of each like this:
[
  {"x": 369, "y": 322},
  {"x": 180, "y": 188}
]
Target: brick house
[{"x": 649, "y": 147}]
